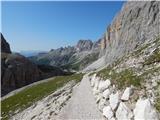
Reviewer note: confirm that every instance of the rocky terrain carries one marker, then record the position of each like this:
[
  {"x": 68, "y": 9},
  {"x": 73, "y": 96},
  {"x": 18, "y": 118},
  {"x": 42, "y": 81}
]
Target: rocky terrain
[
  {"x": 4, "y": 45},
  {"x": 48, "y": 107},
  {"x": 72, "y": 57},
  {"x": 18, "y": 71},
  {"x": 122, "y": 72},
  {"x": 136, "y": 23},
  {"x": 126, "y": 85}
]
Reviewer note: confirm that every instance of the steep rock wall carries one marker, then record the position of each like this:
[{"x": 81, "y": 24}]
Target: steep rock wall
[{"x": 136, "y": 23}]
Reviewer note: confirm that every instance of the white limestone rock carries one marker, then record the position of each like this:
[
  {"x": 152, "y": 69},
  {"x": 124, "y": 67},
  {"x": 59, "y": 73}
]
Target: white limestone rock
[
  {"x": 107, "y": 112},
  {"x": 98, "y": 98},
  {"x": 104, "y": 85},
  {"x": 114, "y": 100},
  {"x": 93, "y": 80},
  {"x": 96, "y": 83},
  {"x": 123, "y": 112},
  {"x": 95, "y": 91},
  {"x": 101, "y": 104},
  {"x": 112, "y": 118},
  {"x": 127, "y": 93},
  {"x": 106, "y": 93},
  {"x": 144, "y": 110}
]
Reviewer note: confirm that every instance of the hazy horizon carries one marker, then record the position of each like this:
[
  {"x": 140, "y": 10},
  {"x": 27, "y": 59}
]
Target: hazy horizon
[{"x": 41, "y": 26}]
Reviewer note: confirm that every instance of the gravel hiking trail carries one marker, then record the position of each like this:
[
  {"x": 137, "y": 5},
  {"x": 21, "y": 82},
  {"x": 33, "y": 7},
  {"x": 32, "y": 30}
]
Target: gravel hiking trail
[{"x": 82, "y": 105}]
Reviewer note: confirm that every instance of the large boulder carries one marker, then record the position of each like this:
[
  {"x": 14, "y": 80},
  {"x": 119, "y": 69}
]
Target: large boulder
[
  {"x": 107, "y": 112},
  {"x": 104, "y": 85},
  {"x": 144, "y": 110},
  {"x": 93, "y": 80},
  {"x": 102, "y": 104},
  {"x": 106, "y": 93},
  {"x": 127, "y": 93},
  {"x": 123, "y": 112},
  {"x": 96, "y": 83},
  {"x": 114, "y": 100}
]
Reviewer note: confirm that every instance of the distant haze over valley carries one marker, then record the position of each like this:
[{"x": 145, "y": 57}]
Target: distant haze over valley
[{"x": 29, "y": 53}]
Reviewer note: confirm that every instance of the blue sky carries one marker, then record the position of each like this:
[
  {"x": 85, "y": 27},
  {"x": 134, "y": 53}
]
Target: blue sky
[{"x": 46, "y": 25}]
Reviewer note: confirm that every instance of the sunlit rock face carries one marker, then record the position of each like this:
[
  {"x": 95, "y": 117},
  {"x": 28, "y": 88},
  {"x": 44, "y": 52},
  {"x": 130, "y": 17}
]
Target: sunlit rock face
[
  {"x": 136, "y": 23},
  {"x": 144, "y": 110}
]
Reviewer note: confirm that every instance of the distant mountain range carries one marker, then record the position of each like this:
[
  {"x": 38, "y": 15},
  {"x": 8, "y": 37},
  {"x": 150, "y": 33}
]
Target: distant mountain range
[
  {"x": 72, "y": 57},
  {"x": 29, "y": 53}
]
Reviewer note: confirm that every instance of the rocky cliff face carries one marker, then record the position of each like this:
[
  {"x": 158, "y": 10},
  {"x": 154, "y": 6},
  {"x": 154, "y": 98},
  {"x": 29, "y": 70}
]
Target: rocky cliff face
[
  {"x": 136, "y": 23},
  {"x": 18, "y": 71},
  {"x": 4, "y": 45},
  {"x": 84, "y": 45},
  {"x": 126, "y": 85}
]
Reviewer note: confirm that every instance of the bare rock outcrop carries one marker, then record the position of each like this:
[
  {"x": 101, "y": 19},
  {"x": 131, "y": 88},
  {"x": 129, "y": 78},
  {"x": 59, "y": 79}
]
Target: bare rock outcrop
[
  {"x": 84, "y": 45},
  {"x": 136, "y": 23},
  {"x": 17, "y": 71},
  {"x": 4, "y": 45}
]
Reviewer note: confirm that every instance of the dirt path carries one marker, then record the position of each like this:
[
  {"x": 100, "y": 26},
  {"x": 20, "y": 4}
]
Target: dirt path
[{"x": 82, "y": 105}]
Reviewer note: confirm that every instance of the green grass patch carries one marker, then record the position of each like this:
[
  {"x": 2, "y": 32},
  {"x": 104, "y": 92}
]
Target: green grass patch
[
  {"x": 150, "y": 72},
  {"x": 104, "y": 73},
  {"x": 126, "y": 78},
  {"x": 157, "y": 104},
  {"x": 157, "y": 41},
  {"x": 122, "y": 79},
  {"x": 140, "y": 50},
  {"x": 155, "y": 57},
  {"x": 32, "y": 94},
  {"x": 92, "y": 73}
]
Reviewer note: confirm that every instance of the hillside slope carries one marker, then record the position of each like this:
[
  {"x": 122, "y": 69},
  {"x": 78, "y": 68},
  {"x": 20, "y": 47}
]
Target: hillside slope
[
  {"x": 72, "y": 57},
  {"x": 126, "y": 80},
  {"x": 18, "y": 71},
  {"x": 136, "y": 23}
]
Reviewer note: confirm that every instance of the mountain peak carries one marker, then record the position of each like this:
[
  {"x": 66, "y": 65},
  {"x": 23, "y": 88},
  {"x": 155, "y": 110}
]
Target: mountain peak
[
  {"x": 5, "y": 47},
  {"x": 84, "y": 45}
]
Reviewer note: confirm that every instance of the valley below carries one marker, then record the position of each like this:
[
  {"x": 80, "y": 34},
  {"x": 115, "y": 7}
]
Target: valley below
[{"x": 116, "y": 77}]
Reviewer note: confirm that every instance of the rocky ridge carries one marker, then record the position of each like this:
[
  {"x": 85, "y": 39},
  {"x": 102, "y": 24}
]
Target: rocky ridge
[
  {"x": 5, "y": 47},
  {"x": 18, "y": 71},
  {"x": 126, "y": 80},
  {"x": 72, "y": 57},
  {"x": 136, "y": 23}
]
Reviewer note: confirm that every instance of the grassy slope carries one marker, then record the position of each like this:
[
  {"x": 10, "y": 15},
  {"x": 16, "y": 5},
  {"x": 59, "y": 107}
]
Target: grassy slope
[
  {"x": 128, "y": 76},
  {"x": 32, "y": 94}
]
